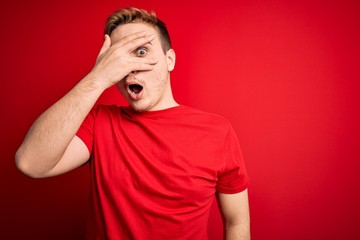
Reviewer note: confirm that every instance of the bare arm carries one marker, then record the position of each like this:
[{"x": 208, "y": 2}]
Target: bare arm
[
  {"x": 234, "y": 210},
  {"x": 51, "y": 147},
  {"x": 51, "y": 134}
]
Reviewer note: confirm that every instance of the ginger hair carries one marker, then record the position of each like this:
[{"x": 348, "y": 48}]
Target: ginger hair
[{"x": 136, "y": 15}]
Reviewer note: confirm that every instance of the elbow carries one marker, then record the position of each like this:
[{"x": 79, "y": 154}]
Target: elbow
[{"x": 24, "y": 165}]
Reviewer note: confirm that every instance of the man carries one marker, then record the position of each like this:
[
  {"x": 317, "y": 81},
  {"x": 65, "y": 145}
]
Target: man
[{"x": 156, "y": 165}]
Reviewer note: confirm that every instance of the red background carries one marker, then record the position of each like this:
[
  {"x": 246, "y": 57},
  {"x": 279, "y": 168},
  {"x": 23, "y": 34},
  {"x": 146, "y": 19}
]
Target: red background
[{"x": 285, "y": 73}]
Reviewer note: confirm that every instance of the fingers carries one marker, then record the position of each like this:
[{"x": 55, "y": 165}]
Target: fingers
[
  {"x": 150, "y": 61},
  {"x": 118, "y": 60},
  {"x": 106, "y": 45},
  {"x": 133, "y": 41},
  {"x": 138, "y": 42},
  {"x": 142, "y": 64},
  {"x": 125, "y": 47}
]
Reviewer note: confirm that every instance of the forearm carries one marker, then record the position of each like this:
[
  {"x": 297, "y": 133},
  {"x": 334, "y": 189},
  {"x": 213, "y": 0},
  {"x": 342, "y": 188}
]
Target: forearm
[
  {"x": 52, "y": 132},
  {"x": 237, "y": 232}
]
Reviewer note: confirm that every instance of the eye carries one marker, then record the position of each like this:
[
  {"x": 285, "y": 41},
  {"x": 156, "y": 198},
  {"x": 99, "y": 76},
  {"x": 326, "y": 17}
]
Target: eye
[{"x": 140, "y": 52}]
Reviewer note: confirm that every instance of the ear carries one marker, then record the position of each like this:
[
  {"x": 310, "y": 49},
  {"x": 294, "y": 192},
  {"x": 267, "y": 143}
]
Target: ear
[{"x": 170, "y": 59}]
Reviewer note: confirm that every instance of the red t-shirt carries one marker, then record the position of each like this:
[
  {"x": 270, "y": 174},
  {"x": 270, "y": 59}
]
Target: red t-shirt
[{"x": 155, "y": 174}]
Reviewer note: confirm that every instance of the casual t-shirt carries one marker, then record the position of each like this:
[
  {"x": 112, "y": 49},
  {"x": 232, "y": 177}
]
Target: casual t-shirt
[{"x": 155, "y": 174}]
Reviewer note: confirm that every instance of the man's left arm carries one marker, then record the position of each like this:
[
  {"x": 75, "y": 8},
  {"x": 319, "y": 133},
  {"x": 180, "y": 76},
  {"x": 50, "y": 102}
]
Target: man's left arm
[{"x": 235, "y": 214}]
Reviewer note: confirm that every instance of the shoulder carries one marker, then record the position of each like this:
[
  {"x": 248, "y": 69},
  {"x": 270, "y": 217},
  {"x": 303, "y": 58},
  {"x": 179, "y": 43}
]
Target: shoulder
[
  {"x": 101, "y": 109},
  {"x": 196, "y": 113},
  {"x": 207, "y": 120},
  {"x": 105, "y": 108},
  {"x": 101, "y": 113}
]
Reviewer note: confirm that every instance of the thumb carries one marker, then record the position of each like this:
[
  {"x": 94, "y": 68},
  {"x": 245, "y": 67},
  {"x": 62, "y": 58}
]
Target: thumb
[{"x": 106, "y": 45}]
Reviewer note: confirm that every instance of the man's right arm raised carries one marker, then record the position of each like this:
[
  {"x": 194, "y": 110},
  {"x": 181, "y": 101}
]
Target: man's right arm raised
[{"x": 51, "y": 146}]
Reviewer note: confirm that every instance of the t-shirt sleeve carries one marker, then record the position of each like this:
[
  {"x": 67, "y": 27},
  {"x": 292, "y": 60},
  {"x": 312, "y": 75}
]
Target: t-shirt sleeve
[
  {"x": 86, "y": 130},
  {"x": 233, "y": 178}
]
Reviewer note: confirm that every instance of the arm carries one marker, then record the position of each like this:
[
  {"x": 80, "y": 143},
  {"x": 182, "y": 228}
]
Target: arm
[
  {"x": 234, "y": 210},
  {"x": 51, "y": 147}
]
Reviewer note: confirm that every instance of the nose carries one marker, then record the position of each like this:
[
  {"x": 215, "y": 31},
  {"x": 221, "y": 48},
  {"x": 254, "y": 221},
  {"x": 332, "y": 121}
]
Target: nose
[{"x": 130, "y": 74}]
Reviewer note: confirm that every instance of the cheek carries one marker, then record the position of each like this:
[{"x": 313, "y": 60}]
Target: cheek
[
  {"x": 120, "y": 86},
  {"x": 155, "y": 78},
  {"x": 161, "y": 71},
  {"x": 161, "y": 77}
]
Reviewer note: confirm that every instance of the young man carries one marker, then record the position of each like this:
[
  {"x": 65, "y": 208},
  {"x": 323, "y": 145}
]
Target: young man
[{"x": 156, "y": 165}]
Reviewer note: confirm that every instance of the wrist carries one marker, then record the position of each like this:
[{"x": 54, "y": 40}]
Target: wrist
[{"x": 94, "y": 82}]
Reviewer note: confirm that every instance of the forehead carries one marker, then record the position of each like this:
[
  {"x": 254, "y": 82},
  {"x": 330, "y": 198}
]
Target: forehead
[{"x": 124, "y": 30}]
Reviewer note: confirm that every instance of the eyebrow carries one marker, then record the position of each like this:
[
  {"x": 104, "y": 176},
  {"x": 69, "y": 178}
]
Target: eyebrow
[{"x": 145, "y": 45}]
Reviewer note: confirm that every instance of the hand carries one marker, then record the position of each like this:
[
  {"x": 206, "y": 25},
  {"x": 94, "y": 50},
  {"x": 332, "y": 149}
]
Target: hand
[{"x": 115, "y": 62}]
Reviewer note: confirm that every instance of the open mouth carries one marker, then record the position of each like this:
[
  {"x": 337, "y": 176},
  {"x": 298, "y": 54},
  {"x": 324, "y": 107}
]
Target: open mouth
[
  {"x": 135, "y": 88},
  {"x": 135, "y": 91}
]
